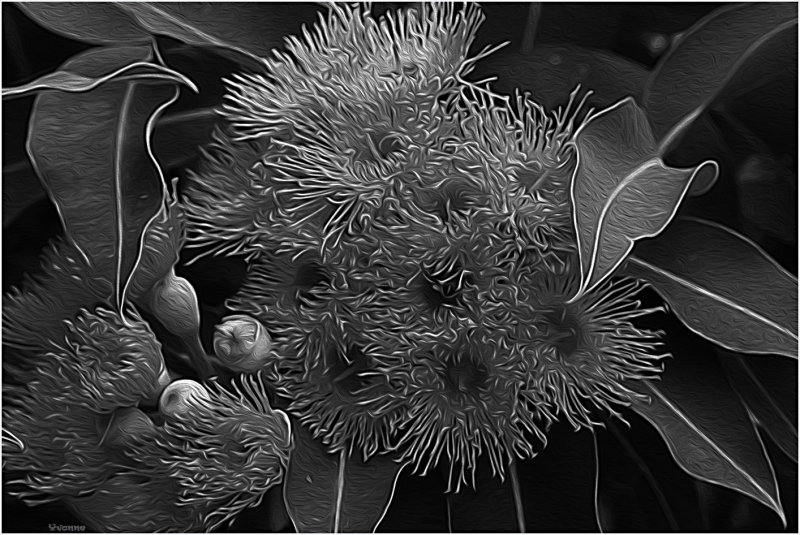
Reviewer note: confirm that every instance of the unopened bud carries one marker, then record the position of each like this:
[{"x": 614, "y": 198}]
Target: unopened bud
[
  {"x": 174, "y": 303},
  {"x": 181, "y": 396},
  {"x": 242, "y": 343}
]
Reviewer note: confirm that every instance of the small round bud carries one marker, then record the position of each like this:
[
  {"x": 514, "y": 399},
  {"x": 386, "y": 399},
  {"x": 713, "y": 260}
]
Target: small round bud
[
  {"x": 127, "y": 425},
  {"x": 242, "y": 343},
  {"x": 181, "y": 396}
]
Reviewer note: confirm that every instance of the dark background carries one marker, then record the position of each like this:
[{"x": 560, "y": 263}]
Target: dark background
[{"x": 759, "y": 126}]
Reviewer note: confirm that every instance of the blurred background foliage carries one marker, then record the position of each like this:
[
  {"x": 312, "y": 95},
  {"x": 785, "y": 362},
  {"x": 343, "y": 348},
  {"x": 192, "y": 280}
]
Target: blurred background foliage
[{"x": 610, "y": 48}]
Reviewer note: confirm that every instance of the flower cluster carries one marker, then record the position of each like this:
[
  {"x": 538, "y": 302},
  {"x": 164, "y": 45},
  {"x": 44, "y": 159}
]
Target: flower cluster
[
  {"x": 78, "y": 423},
  {"x": 410, "y": 246}
]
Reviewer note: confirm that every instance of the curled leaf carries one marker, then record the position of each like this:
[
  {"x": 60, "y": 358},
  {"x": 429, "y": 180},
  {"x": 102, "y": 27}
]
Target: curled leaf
[
  {"x": 76, "y": 83},
  {"x": 708, "y": 431},
  {"x": 689, "y": 77},
  {"x": 621, "y": 192},
  {"x": 722, "y": 286},
  {"x": 335, "y": 493}
]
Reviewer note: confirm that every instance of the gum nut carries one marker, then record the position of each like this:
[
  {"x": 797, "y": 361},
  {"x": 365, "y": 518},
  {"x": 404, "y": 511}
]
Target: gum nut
[
  {"x": 180, "y": 396},
  {"x": 241, "y": 342},
  {"x": 126, "y": 425},
  {"x": 174, "y": 302}
]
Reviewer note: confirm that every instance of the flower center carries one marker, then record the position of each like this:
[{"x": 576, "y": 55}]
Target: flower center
[
  {"x": 347, "y": 371},
  {"x": 564, "y": 331},
  {"x": 464, "y": 377}
]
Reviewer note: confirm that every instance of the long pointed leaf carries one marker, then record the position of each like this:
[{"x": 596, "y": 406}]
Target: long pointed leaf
[
  {"x": 92, "y": 151},
  {"x": 722, "y": 286},
  {"x": 335, "y": 493},
  {"x": 692, "y": 74},
  {"x": 769, "y": 390},
  {"x": 637, "y": 464},
  {"x": 707, "y": 429},
  {"x": 250, "y": 29},
  {"x": 95, "y": 23},
  {"x": 621, "y": 192}
]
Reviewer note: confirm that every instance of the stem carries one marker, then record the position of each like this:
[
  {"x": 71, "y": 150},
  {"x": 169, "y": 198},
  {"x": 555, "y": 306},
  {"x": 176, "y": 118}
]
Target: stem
[
  {"x": 512, "y": 470},
  {"x": 339, "y": 492},
  {"x": 529, "y": 35}
]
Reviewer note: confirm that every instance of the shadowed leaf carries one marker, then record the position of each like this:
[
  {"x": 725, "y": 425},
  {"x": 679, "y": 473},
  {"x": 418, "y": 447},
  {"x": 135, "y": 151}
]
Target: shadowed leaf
[
  {"x": 177, "y": 137},
  {"x": 95, "y": 23},
  {"x": 707, "y": 429},
  {"x": 335, "y": 493},
  {"x": 769, "y": 389},
  {"x": 92, "y": 151},
  {"x": 626, "y": 476},
  {"x": 689, "y": 77},
  {"x": 767, "y": 195},
  {"x": 551, "y": 72},
  {"x": 21, "y": 189},
  {"x": 251, "y": 29},
  {"x": 621, "y": 192},
  {"x": 722, "y": 286}
]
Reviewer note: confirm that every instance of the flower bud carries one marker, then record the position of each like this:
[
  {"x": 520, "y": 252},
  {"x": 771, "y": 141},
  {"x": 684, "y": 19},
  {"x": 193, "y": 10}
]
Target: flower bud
[
  {"x": 242, "y": 343},
  {"x": 174, "y": 302},
  {"x": 128, "y": 424},
  {"x": 181, "y": 396}
]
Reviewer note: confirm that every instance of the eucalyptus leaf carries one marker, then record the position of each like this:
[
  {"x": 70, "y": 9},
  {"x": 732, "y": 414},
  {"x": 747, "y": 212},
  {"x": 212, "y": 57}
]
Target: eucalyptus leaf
[
  {"x": 176, "y": 138},
  {"x": 767, "y": 197},
  {"x": 722, "y": 286},
  {"x": 708, "y": 431},
  {"x": 628, "y": 474},
  {"x": 621, "y": 192},
  {"x": 692, "y": 74},
  {"x": 92, "y": 151},
  {"x": 89, "y": 22},
  {"x": 251, "y": 29},
  {"x": 335, "y": 493},
  {"x": 551, "y": 71},
  {"x": 76, "y": 83},
  {"x": 769, "y": 390}
]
